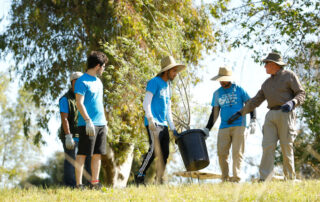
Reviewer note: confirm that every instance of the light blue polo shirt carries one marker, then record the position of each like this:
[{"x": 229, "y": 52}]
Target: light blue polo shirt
[
  {"x": 230, "y": 101},
  {"x": 159, "y": 104},
  {"x": 92, "y": 89},
  {"x": 63, "y": 105}
]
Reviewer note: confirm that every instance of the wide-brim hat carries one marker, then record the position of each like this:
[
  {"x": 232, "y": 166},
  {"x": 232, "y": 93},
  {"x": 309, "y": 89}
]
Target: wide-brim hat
[
  {"x": 75, "y": 75},
  {"x": 168, "y": 63},
  {"x": 274, "y": 57},
  {"x": 225, "y": 74}
]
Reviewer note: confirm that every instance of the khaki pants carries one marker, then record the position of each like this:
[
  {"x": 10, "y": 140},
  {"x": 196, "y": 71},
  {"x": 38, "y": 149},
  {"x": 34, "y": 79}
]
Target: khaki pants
[
  {"x": 278, "y": 125},
  {"x": 226, "y": 137}
]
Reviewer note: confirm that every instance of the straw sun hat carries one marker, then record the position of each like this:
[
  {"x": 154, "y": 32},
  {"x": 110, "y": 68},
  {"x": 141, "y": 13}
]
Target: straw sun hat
[
  {"x": 168, "y": 62},
  {"x": 225, "y": 74}
]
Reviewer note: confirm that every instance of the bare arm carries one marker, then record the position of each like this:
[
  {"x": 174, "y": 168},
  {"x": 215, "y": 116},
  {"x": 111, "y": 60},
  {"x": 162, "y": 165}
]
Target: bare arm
[
  {"x": 65, "y": 123},
  {"x": 81, "y": 107}
]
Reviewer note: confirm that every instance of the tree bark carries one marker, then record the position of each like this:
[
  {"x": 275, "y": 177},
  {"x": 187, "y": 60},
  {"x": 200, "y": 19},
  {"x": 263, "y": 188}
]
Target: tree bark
[{"x": 116, "y": 175}]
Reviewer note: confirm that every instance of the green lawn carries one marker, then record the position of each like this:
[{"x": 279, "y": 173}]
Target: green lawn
[{"x": 270, "y": 191}]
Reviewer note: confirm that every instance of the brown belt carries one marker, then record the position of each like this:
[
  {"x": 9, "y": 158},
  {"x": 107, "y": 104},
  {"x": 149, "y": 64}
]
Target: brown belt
[{"x": 275, "y": 107}]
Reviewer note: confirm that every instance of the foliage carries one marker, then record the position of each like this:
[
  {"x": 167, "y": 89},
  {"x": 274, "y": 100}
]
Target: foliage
[
  {"x": 47, "y": 175},
  {"x": 49, "y": 39},
  {"x": 271, "y": 191},
  {"x": 290, "y": 27},
  {"x": 17, "y": 152}
]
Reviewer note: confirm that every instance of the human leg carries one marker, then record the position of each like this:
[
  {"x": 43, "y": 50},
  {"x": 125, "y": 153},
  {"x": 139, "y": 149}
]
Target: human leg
[
  {"x": 238, "y": 145},
  {"x": 224, "y": 144},
  {"x": 69, "y": 170},
  {"x": 269, "y": 143},
  {"x": 163, "y": 154},
  {"x": 287, "y": 134},
  {"x": 147, "y": 160},
  {"x": 79, "y": 168},
  {"x": 98, "y": 150}
]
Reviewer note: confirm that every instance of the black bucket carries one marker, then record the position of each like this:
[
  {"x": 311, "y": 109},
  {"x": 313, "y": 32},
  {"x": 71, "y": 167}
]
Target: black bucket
[{"x": 193, "y": 149}]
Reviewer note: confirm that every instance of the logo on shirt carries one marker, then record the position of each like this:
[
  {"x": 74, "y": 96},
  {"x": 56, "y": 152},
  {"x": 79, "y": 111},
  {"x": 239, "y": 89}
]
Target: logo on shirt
[
  {"x": 163, "y": 92},
  {"x": 228, "y": 99}
]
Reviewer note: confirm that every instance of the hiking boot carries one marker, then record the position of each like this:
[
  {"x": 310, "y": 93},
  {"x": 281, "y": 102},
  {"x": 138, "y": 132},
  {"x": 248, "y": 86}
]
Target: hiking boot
[{"x": 139, "y": 179}]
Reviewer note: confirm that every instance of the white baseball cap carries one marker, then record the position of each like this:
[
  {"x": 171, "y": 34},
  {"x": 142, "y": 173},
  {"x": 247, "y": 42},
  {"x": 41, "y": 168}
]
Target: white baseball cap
[{"x": 75, "y": 75}]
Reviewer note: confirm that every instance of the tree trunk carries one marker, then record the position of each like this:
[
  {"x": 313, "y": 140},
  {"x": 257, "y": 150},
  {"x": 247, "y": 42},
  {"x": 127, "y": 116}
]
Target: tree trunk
[{"x": 116, "y": 175}]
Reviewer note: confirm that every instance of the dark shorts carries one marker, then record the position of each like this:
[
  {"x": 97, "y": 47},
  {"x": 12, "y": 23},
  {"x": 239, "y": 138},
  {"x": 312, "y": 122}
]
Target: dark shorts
[{"x": 89, "y": 145}]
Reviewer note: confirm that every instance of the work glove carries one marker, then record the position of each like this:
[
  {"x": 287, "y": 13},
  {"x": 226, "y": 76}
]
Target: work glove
[
  {"x": 252, "y": 126},
  {"x": 206, "y": 132},
  {"x": 90, "y": 128},
  {"x": 234, "y": 117},
  {"x": 152, "y": 125},
  {"x": 69, "y": 141},
  {"x": 175, "y": 133},
  {"x": 287, "y": 107}
]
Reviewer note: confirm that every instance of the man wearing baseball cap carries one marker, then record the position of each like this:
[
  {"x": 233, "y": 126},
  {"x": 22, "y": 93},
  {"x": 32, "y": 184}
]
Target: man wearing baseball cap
[
  {"x": 69, "y": 135},
  {"x": 157, "y": 107},
  {"x": 228, "y": 99},
  {"x": 283, "y": 92}
]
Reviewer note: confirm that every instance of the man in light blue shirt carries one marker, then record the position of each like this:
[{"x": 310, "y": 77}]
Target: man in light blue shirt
[
  {"x": 157, "y": 107},
  {"x": 229, "y": 99},
  {"x": 91, "y": 120},
  {"x": 69, "y": 134}
]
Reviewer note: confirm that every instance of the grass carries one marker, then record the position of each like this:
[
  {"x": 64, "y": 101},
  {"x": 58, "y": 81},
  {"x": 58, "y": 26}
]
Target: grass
[{"x": 269, "y": 191}]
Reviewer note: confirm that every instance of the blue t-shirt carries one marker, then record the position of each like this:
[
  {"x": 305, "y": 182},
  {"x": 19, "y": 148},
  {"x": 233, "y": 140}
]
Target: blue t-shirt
[
  {"x": 92, "y": 90},
  {"x": 159, "y": 104},
  {"x": 63, "y": 105},
  {"x": 230, "y": 101}
]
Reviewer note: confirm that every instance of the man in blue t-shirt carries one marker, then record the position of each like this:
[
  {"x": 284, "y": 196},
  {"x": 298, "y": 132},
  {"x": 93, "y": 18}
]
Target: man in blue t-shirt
[
  {"x": 157, "y": 107},
  {"x": 229, "y": 99},
  {"x": 69, "y": 134},
  {"x": 91, "y": 120}
]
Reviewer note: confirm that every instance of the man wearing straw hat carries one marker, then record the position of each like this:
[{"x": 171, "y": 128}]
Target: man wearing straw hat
[
  {"x": 157, "y": 107},
  {"x": 69, "y": 134},
  {"x": 283, "y": 92},
  {"x": 228, "y": 99}
]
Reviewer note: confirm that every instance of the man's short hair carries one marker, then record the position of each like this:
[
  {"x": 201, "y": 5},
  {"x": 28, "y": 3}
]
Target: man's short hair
[{"x": 95, "y": 58}]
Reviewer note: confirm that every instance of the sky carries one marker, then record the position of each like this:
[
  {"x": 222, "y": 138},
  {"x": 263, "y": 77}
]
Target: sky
[{"x": 248, "y": 75}]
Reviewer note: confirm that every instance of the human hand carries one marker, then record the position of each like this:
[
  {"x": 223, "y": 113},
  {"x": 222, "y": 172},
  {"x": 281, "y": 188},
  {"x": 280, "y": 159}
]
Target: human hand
[
  {"x": 90, "y": 128},
  {"x": 69, "y": 141},
  {"x": 175, "y": 133},
  {"x": 152, "y": 125},
  {"x": 206, "y": 132},
  {"x": 234, "y": 117},
  {"x": 287, "y": 107}
]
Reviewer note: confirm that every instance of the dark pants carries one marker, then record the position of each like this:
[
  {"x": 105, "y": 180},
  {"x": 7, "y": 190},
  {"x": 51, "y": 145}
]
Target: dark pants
[
  {"x": 69, "y": 170},
  {"x": 164, "y": 145}
]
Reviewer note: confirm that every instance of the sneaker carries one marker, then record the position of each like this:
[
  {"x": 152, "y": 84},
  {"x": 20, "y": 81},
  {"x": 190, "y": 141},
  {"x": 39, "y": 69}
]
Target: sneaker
[
  {"x": 139, "y": 179},
  {"x": 234, "y": 179},
  {"x": 96, "y": 186},
  {"x": 80, "y": 186}
]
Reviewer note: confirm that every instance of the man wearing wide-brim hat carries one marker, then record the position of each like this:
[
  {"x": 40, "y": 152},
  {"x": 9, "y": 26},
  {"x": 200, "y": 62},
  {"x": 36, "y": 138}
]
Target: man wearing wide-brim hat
[
  {"x": 229, "y": 99},
  {"x": 157, "y": 107},
  {"x": 283, "y": 92}
]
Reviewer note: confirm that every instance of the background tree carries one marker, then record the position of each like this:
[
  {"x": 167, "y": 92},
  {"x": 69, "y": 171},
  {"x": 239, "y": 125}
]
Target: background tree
[
  {"x": 17, "y": 152},
  {"x": 291, "y": 27},
  {"x": 49, "y": 39}
]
